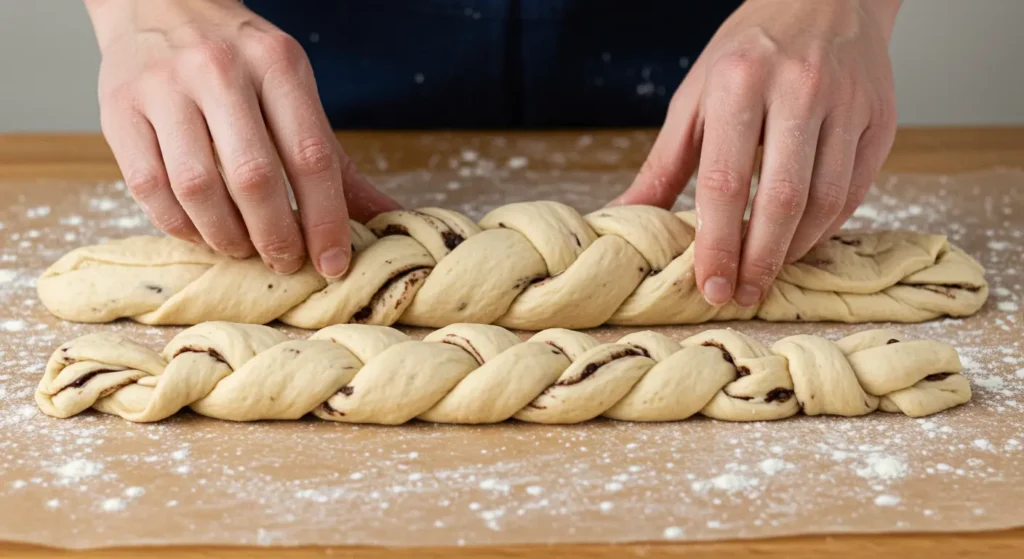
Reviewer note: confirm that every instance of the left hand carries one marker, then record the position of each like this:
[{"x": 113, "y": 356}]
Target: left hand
[{"x": 814, "y": 80}]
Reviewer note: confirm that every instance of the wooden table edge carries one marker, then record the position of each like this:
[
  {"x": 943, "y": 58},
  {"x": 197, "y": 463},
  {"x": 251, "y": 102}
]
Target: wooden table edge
[{"x": 994, "y": 544}]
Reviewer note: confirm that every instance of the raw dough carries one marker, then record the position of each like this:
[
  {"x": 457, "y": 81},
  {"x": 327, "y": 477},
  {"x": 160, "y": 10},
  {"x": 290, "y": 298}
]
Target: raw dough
[
  {"x": 478, "y": 373},
  {"x": 531, "y": 265}
]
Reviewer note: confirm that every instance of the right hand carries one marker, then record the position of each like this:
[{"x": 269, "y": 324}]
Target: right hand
[{"x": 208, "y": 108}]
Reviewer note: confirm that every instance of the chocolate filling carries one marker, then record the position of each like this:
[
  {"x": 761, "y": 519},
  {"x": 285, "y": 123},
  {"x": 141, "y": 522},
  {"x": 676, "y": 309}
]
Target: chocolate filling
[
  {"x": 938, "y": 376},
  {"x": 364, "y": 314},
  {"x": 465, "y": 345},
  {"x": 556, "y": 346},
  {"x": 643, "y": 351},
  {"x": 592, "y": 368},
  {"x": 393, "y": 229},
  {"x": 725, "y": 353},
  {"x": 111, "y": 389},
  {"x": 578, "y": 243},
  {"x": 742, "y": 372},
  {"x": 451, "y": 239},
  {"x": 329, "y": 410},
  {"x": 80, "y": 381},
  {"x": 523, "y": 283},
  {"x": 778, "y": 395},
  {"x": 944, "y": 290},
  {"x": 892, "y": 341},
  {"x": 193, "y": 349},
  {"x": 154, "y": 288},
  {"x": 847, "y": 242},
  {"x": 346, "y": 390}
]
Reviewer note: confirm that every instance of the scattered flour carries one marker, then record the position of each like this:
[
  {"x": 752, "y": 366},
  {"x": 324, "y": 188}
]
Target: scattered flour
[
  {"x": 103, "y": 204},
  {"x": 673, "y": 533},
  {"x": 113, "y": 504},
  {"x": 79, "y": 469},
  {"x": 13, "y": 325},
  {"x": 772, "y": 466},
  {"x": 517, "y": 162},
  {"x": 887, "y": 500},
  {"x": 882, "y": 467},
  {"x": 982, "y": 444},
  {"x": 730, "y": 483}
]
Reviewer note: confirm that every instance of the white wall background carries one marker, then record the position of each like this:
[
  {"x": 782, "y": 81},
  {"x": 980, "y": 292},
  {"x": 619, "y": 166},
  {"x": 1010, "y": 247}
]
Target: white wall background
[{"x": 957, "y": 62}]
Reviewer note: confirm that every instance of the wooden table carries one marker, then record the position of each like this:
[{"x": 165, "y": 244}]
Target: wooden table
[{"x": 86, "y": 157}]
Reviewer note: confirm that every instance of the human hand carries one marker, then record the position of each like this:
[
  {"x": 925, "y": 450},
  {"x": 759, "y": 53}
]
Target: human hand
[
  {"x": 209, "y": 109},
  {"x": 811, "y": 80}
]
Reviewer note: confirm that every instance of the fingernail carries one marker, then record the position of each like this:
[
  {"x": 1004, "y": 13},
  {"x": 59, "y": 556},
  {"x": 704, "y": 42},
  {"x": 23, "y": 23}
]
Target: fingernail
[
  {"x": 334, "y": 262},
  {"x": 748, "y": 296},
  {"x": 717, "y": 290}
]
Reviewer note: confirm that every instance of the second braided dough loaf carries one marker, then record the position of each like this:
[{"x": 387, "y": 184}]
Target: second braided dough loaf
[
  {"x": 530, "y": 265},
  {"x": 479, "y": 373}
]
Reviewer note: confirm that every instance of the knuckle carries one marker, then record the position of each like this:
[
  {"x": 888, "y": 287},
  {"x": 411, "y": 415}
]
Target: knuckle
[
  {"x": 810, "y": 73},
  {"x": 144, "y": 183},
  {"x": 326, "y": 228},
  {"x": 279, "y": 48},
  {"x": 785, "y": 197},
  {"x": 193, "y": 186},
  {"x": 884, "y": 115},
  {"x": 123, "y": 94},
  {"x": 858, "y": 191},
  {"x": 720, "y": 251},
  {"x": 279, "y": 248},
  {"x": 253, "y": 178},
  {"x": 827, "y": 198},
  {"x": 742, "y": 71},
  {"x": 764, "y": 268},
  {"x": 175, "y": 225},
  {"x": 722, "y": 184},
  {"x": 313, "y": 156},
  {"x": 210, "y": 57}
]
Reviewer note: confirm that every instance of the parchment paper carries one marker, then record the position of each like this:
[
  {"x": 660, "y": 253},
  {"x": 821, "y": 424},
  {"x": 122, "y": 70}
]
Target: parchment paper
[{"x": 97, "y": 481}]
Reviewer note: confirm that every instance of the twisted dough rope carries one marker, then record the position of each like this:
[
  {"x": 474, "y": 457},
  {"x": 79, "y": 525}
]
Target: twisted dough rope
[
  {"x": 476, "y": 373},
  {"x": 531, "y": 265}
]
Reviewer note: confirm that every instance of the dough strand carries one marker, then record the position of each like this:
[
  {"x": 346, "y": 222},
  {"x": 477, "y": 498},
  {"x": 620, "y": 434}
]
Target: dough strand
[
  {"x": 478, "y": 373},
  {"x": 530, "y": 265}
]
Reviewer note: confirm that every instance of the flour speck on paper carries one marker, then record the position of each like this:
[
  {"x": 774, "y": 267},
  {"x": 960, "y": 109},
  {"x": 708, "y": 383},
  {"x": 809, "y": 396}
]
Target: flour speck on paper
[{"x": 190, "y": 480}]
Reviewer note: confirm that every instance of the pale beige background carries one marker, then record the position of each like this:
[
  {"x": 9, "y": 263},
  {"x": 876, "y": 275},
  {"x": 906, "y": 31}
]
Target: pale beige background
[{"x": 957, "y": 62}]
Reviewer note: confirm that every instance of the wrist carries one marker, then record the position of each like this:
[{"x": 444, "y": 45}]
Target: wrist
[
  {"x": 109, "y": 18},
  {"x": 883, "y": 12}
]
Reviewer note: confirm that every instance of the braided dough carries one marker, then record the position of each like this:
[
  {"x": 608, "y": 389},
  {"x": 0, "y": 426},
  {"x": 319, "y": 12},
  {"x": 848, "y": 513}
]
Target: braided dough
[
  {"x": 530, "y": 265},
  {"x": 477, "y": 373}
]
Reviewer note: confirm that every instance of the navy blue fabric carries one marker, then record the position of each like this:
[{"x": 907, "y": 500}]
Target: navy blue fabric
[{"x": 385, "y": 64}]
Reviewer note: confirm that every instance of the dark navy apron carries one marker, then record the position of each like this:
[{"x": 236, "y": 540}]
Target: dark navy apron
[{"x": 421, "y": 64}]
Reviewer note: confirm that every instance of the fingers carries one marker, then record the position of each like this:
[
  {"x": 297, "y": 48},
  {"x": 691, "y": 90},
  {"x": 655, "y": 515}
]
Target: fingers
[
  {"x": 675, "y": 152},
  {"x": 192, "y": 170},
  {"x": 134, "y": 143},
  {"x": 251, "y": 166},
  {"x": 830, "y": 182},
  {"x": 872, "y": 150},
  {"x": 305, "y": 143},
  {"x": 732, "y": 128},
  {"x": 790, "y": 139}
]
